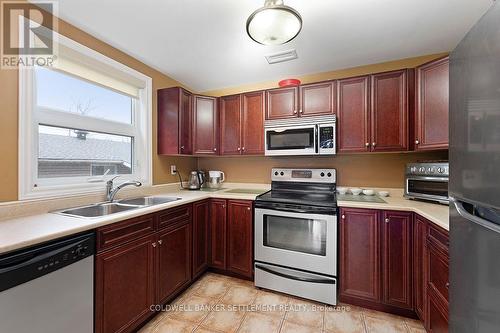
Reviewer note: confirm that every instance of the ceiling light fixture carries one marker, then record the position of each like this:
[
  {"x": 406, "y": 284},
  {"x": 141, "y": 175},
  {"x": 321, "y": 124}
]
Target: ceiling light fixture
[{"x": 274, "y": 23}]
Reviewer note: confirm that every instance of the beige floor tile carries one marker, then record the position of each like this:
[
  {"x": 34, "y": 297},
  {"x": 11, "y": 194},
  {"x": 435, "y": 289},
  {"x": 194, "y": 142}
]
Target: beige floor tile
[
  {"x": 213, "y": 288},
  {"x": 384, "y": 325},
  {"x": 380, "y": 315},
  {"x": 239, "y": 295},
  {"x": 305, "y": 313},
  {"x": 258, "y": 323},
  {"x": 204, "y": 330},
  {"x": 193, "y": 309},
  {"x": 225, "y": 318},
  {"x": 413, "y": 323},
  {"x": 289, "y": 327},
  {"x": 170, "y": 325},
  {"x": 271, "y": 303},
  {"x": 345, "y": 321}
]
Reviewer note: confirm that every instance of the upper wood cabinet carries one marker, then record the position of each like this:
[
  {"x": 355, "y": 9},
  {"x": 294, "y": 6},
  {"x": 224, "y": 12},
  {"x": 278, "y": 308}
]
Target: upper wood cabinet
[
  {"x": 205, "y": 137},
  {"x": 230, "y": 124},
  {"x": 318, "y": 99},
  {"x": 175, "y": 113},
  {"x": 353, "y": 115},
  {"x": 201, "y": 219},
  {"x": 359, "y": 255},
  {"x": 397, "y": 258},
  {"x": 373, "y": 112},
  {"x": 389, "y": 111},
  {"x": 242, "y": 124},
  {"x": 282, "y": 103},
  {"x": 432, "y": 105}
]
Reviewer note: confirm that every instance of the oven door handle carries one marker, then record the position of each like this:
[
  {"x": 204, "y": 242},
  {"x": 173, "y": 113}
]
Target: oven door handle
[{"x": 291, "y": 277}]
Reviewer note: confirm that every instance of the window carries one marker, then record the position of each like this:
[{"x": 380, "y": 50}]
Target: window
[{"x": 83, "y": 121}]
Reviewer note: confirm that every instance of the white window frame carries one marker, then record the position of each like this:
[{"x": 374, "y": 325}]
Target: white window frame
[{"x": 30, "y": 118}]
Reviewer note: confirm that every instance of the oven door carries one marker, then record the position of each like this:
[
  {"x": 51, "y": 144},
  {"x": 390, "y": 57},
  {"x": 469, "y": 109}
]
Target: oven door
[
  {"x": 296, "y": 240},
  {"x": 294, "y": 140},
  {"x": 430, "y": 188}
]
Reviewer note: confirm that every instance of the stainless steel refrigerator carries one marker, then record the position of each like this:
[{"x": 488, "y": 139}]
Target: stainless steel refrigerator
[{"x": 475, "y": 178}]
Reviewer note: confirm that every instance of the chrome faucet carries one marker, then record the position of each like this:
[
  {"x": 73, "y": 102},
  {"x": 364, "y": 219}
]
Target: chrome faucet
[{"x": 111, "y": 191}]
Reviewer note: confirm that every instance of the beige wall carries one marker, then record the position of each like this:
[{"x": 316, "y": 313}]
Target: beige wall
[
  {"x": 370, "y": 170},
  {"x": 9, "y": 116}
]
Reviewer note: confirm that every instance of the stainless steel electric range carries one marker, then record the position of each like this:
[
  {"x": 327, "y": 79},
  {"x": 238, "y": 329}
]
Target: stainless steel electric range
[{"x": 296, "y": 234}]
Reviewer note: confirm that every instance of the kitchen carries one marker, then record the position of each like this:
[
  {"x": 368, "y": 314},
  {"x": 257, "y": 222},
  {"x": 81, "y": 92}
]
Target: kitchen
[{"x": 261, "y": 187}]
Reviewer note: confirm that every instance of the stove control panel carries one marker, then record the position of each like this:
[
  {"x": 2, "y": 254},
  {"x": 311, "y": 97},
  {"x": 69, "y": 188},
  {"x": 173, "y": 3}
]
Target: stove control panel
[{"x": 304, "y": 175}]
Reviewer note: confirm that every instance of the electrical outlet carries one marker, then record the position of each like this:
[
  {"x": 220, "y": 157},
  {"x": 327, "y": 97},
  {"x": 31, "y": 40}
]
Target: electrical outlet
[{"x": 173, "y": 170}]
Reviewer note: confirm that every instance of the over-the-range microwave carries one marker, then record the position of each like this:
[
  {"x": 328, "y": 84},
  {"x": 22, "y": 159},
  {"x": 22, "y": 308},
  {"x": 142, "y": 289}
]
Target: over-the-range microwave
[{"x": 300, "y": 136}]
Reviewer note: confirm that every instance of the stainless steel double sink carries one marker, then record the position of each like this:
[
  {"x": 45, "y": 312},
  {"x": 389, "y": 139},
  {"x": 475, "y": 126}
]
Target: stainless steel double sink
[{"x": 108, "y": 208}]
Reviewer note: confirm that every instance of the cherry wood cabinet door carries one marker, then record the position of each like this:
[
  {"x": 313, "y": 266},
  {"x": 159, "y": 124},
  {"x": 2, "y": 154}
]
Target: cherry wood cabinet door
[
  {"x": 353, "y": 115},
  {"x": 185, "y": 122},
  {"x": 230, "y": 125},
  {"x": 175, "y": 106},
  {"x": 218, "y": 233},
  {"x": 318, "y": 99},
  {"x": 360, "y": 255},
  {"x": 201, "y": 215},
  {"x": 431, "y": 123},
  {"x": 205, "y": 126},
  {"x": 389, "y": 111},
  {"x": 253, "y": 123},
  {"x": 437, "y": 321},
  {"x": 125, "y": 280},
  {"x": 419, "y": 269},
  {"x": 174, "y": 259},
  {"x": 397, "y": 258},
  {"x": 282, "y": 103},
  {"x": 240, "y": 237}
]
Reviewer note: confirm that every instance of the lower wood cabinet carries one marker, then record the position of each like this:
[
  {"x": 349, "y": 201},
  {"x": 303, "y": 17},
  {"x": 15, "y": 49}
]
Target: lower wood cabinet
[
  {"x": 125, "y": 285},
  {"x": 201, "y": 219},
  {"x": 376, "y": 259},
  {"x": 419, "y": 266},
  {"x": 174, "y": 259},
  {"x": 231, "y": 240},
  {"x": 218, "y": 232}
]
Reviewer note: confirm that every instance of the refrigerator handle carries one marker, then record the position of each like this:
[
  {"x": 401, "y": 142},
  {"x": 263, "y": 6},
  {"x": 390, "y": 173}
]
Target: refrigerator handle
[{"x": 476, "y": 219}]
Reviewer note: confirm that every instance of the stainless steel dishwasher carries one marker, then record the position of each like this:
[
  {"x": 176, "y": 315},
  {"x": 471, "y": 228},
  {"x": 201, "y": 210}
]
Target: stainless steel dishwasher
[{"x": 49, "y": 288}]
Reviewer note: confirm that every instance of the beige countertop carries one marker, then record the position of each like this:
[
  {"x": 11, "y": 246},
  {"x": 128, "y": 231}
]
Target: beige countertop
[
  {"x": 436, "y": 213},
  {"x": 20, "y": 232}
]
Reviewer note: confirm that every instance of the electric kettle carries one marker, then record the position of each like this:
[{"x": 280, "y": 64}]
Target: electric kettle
[
  {"x": 215, "y": 179},
  {"x": 195, "y": 180}
]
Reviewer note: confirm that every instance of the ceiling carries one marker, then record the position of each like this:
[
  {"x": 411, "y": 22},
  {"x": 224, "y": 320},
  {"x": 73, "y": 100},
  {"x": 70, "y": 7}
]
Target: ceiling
[{"x": 203, "y": 43}]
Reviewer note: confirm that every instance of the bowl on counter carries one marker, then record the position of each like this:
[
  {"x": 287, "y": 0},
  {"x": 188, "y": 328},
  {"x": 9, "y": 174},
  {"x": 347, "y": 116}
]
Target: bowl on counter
[
  {"x": 368, "y": 192},
  {"x": 342, "y": 190},
  {"x": 356, "y": 190},
  {"x": 383, "y": 193}
]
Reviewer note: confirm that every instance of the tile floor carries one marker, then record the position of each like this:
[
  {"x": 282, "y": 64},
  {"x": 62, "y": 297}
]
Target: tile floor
[{"x": 220, "y": 304}]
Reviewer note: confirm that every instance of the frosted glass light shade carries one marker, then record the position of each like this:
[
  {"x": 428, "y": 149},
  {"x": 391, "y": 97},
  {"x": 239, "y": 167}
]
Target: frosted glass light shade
[{"x": 274, "y": 24}]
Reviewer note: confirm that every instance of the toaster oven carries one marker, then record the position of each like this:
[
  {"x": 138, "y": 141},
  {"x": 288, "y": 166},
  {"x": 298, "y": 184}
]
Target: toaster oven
[{"x": 427, "y": 181}]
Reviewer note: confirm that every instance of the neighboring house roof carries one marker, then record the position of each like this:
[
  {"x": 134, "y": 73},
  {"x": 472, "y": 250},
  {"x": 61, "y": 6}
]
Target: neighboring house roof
[{"x": 61, "y": 147}]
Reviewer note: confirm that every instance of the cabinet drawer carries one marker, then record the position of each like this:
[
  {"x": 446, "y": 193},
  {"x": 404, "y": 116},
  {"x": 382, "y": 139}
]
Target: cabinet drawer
[
  {"x": 439, "y": 237},
  {"x": 438, "y": 271},
  {"x": 174, "y": 215},
  {"x": 125, "y": 231}
]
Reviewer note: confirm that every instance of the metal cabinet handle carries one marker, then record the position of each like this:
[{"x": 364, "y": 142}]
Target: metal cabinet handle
[
  {"x": 243, "y": 148},
  {"x": 154, "y": 244},
  {"x": 239, "y": 148},
  {"x": 160, "y": 241},
  {"x": 417, "y": 142},
  {"x": 182, "y": 147},
  {"x": 248, "y": 208},
  {"x": 374, "y": 144},
  {"x": 294, "y": 111},
  {"x": 367, "y": 144},
  {"x": 386, "y": 220},
  {"x": 215, "y": 149},
  {"x": 300, "y": 111},
  {"x": 343, "y": 217},
  {"x": 447, "y": 285}
]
